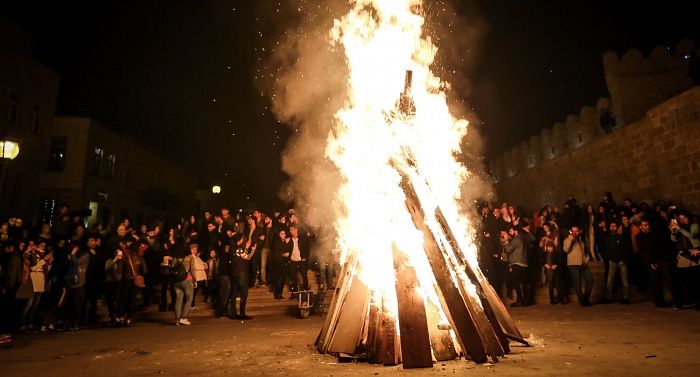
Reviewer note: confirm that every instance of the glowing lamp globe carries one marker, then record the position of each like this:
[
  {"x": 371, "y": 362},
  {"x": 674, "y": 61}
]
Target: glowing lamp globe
[{"x": 9, "y": 149}]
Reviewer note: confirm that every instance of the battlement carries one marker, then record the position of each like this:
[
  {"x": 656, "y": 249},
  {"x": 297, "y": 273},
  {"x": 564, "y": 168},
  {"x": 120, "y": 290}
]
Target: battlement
[
  {"x": 638, "y": 83},
  {"x": 562, "y": 137}
]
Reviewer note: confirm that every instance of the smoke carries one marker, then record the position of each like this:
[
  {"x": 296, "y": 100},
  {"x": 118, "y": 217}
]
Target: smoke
[{"x": 306, "y": 81}]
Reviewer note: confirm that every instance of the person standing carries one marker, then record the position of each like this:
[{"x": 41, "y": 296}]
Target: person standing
[
  {"x": 265, "y": 252},
  {"x": 299, "y": 253},
  {"x": 224, "y": 275},
  {"x": 577, "y": 261},
  {"x": 514, "y": 248},
  {"x": 660, "y": 263},
  {"x": 616, "y": 247},
  {"x": 184, "y": 283},
  {"x": 243, "y": 253},
  {"x": 279, "y": 260},
  {"x": 75, "y": 282}
]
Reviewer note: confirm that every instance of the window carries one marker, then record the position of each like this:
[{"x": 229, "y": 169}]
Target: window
[
  {"x": 13, "y": 110},
  {"x": 580, "y": 138},
  {"x": 57, "y": 154},
  {"x": 553, "y": 150},
  {"x": 36, "y": 119},
  {"x": 111, "y": 160},
  {"x": 96, "y": 164},
  {"x": 531, "y": 161}
]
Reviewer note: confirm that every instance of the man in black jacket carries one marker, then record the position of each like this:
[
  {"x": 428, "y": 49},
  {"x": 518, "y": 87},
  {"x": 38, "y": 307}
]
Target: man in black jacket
[
  {"x": 240, "y": 256},
  {"x": 660, "y": 263},
  {"x": 616, "y": 249},
  {"x": 279, "y": 258},
  {"x": 224, "y": 275}
]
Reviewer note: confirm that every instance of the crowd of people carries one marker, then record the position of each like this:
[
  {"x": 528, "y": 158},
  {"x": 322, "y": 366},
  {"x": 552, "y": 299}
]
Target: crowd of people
[
  {"x": 52, "y": 279},
  {"x": 653, "y": 247}
]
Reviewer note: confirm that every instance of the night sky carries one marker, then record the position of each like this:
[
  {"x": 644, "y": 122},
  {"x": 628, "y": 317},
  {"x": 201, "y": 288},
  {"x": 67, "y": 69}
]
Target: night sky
[{"x": 181, "y": 75}]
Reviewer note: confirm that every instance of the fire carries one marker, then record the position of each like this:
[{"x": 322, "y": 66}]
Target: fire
[{"x": 381, "y": 41}]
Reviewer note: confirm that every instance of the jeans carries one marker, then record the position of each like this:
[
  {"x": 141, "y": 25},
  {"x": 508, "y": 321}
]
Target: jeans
[
  {"x": 166, "y": 286},
  {"x": 518, "y": 275},
  {"x": 183, "y": 298},
  {"x": 298, "y": 267},
  {"x": 612, "y": 271},
  {"x": 224, "y": 295},
  {"x": 29, "y": 311},
  {"x": 582, "y": 274},
  {"x": 278, "y": 275},
  {"x": 239, "y": 289},
  {"x": 264, "y": 257},
  {"x": 76, "y": 297},
  {"x": 556, "y": 281},
  {"x": 664, "y": 274},
  {"x": 126, "y": 302}
]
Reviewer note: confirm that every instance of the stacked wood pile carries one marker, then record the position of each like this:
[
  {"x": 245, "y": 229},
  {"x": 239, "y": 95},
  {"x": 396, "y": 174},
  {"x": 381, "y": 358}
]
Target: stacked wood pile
[{"x": 359, "y": 325}]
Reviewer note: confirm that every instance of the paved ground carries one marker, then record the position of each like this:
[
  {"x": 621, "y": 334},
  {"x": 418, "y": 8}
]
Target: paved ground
[{"x": 603, "y": 340}]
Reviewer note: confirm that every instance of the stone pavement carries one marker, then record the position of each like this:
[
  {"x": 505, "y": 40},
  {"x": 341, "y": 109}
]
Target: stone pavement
[{"x": 603, "y": 340}]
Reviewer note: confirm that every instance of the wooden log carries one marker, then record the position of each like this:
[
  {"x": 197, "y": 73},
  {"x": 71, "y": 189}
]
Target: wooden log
[
  {"x": 341, "y": 289},
  {"x": 453, "y": 304},
  {"x": 495, "y": 324},
  {"x": 347, "y": 333},
  {"x": 440, "y": 339},
  {"x": 374, "y": 334},
  {"x": 493, "y": 304},
  {"x": 486, "y": 331},
  {"x": 413, "y": 324},
  {"x": 381, "y": 336}
]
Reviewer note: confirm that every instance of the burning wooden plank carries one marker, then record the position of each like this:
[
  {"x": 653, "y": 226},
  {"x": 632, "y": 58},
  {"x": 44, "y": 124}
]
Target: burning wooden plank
[
  {"x": 413, "y": 323},
  {"x": 359, "y": 323}
]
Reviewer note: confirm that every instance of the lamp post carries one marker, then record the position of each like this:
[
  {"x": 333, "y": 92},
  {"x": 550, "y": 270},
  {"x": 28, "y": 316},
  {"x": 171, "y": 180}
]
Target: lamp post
[
  {"x": 216, "y": 191},
  {"x": 9, "y": 149}
]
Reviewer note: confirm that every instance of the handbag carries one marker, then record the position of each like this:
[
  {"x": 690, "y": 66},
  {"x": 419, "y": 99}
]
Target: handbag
[
  {"x": 685, "y": 261},
  {"x": 139, "y": 281}
]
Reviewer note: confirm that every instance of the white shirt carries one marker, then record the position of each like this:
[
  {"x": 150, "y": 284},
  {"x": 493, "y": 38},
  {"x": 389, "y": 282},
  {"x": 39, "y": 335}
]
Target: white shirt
[{"x": 296, "y": 253}]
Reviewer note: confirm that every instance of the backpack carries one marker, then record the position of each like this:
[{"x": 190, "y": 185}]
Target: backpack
[{"x": 178, "y": 272}]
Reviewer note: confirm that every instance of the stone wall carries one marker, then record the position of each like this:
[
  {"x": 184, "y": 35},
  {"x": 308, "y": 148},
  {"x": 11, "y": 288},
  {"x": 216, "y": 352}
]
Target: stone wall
[{"x": 657, "y": 156}]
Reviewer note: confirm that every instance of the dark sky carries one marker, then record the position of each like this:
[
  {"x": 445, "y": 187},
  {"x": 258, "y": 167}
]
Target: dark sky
[{"x": 180, "y": 75}]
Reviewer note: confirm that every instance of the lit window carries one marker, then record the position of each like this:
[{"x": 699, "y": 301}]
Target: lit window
[{"x": 57, "y": 154}]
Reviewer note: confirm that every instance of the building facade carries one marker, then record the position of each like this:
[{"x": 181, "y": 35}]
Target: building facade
[
  {"x": 108, "y": 177},
  {"x": 28, "y": 93}
]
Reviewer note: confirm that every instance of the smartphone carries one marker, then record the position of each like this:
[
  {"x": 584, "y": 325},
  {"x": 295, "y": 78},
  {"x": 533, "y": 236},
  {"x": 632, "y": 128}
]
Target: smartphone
[{"x": 119, "y": 253}]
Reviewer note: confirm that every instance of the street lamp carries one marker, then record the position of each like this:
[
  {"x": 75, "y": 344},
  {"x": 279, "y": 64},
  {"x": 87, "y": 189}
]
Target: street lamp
[
  {"x": 9, "y": 149},
  {"x": 216, "y": 189}
]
